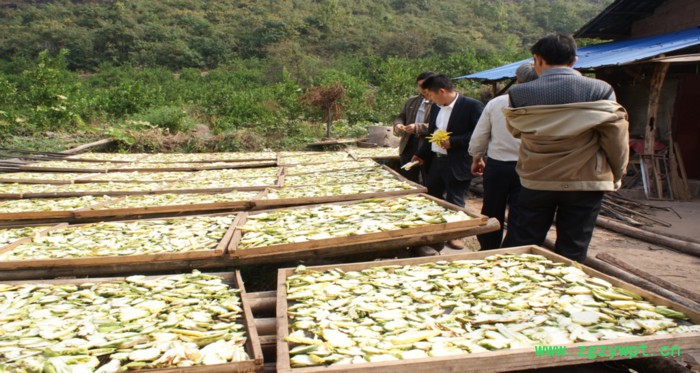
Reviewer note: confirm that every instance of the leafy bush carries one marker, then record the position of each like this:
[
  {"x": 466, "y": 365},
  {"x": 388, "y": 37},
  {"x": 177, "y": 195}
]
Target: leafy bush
[{"x": 173, "y": 118}]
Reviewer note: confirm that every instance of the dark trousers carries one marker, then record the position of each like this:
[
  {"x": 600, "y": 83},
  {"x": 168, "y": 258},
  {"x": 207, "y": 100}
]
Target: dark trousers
[
  {"x": 442, "y": 184},
  {"x": 501, "y": 188},
  {"x": 575, "y": 212}
]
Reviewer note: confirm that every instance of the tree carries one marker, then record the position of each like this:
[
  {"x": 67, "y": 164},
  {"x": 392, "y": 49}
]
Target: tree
[{"x": 329, "y": 100}]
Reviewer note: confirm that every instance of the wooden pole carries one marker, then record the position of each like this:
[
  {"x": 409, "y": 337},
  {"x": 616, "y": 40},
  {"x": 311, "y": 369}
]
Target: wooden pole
[
  {"x": 638, "y": 281},
  {"x": 657, "y": 81},
  {"x": 686, "y": 247},
  {"x": 648, "y": 276},
  {"x": 80, "y": 148}
]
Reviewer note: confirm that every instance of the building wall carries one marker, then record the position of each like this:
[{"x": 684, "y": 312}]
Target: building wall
[
  {"x": 635, "y": 99},
  {"x": 672, "y": 15}
]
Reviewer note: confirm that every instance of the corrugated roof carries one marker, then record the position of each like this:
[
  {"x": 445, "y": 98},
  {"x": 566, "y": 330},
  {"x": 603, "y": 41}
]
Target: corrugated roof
[{"x": 614, "y": 53}]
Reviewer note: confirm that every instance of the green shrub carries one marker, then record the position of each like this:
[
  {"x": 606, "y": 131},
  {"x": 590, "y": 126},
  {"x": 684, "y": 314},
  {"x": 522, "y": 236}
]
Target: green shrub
[{"x": 173, "y": 118}]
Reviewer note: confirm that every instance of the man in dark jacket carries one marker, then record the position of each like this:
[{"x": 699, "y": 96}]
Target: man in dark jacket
[
  {"x": 412, "y": 126},
  {"x": 448, "y": 163}
]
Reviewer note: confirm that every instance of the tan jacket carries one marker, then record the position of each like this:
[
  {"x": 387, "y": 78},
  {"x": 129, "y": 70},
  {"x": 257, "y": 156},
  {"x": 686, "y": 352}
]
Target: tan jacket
[
  {"x": 571, "y": 147},
  {"x": 408, "y": 116}
]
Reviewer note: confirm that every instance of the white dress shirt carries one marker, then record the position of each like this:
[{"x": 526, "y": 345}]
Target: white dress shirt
[
  {"x": 420, "y": 114},
  {"x": 491, "y": 136},
  {"x": 443, "y": 118}
]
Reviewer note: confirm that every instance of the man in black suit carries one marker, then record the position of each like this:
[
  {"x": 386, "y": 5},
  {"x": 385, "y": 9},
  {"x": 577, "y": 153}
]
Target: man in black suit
[{"x": 448, "y": 163}]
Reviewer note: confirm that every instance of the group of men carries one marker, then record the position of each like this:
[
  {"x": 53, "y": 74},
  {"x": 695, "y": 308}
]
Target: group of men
[{"x": 548, "y": 150}]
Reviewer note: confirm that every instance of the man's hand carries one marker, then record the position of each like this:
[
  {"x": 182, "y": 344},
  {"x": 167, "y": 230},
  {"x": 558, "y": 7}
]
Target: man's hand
[
  {"x": 416, "y": 158},
  {"x": 478, "y": 166},
  {"x": 411, "y": 128},
  {"x": 446, "y": 144},
  {"x": 400, "y": 127}
]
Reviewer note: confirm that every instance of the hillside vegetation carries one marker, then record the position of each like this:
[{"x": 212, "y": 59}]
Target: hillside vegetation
[{"x": 225, "y": 75}]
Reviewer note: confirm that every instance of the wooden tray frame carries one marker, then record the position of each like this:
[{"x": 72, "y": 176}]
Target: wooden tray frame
[
  {"x": 259, "y": 203},
  {"x": 493, "y": 361},
  {"x": 144, "y": 158},
  {"x": 35, "y": 181},
  {"x": 288, "y": 168},
  {"x": 280, "y": 159},
  {"x": 71, "y": 158},
  {"x": 96, "y": 262},
  {"x": 232, "y": 165},
  {"x": 5, "y": 196},
  {"x": 146, "y": 169},
  {"x": 252, "y": 346},
  {"x": 358, "y": 158},
  {"x": 387, "y": 240}
]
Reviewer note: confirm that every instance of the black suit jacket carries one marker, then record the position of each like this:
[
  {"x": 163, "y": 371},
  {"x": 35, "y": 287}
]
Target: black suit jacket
[{"x": 465, "y": 115}]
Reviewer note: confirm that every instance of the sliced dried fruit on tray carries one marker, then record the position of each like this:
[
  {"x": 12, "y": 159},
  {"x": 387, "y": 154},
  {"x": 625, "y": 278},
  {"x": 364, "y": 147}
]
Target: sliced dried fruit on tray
[
  {"x": 132, "y": 324},
  {"x": 284, "y": 226},
  {"x": 140, "y": 237},
  {"x": 396, "y": 312},
  {"x": 169, "y": 199},
  {"x": 374, "y": 186},
  {"x": 50, "y": 204},
  {"x": 361, "y": 175},
  {"x": 311, "y": 168},
  {"x": 10, "y": 235}
]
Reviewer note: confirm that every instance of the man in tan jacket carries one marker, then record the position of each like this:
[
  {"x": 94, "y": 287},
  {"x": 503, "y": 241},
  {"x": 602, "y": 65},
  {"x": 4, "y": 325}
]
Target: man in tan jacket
[
  {"x": 574, "y": 148},
  {"x": 412, "y": 126}
]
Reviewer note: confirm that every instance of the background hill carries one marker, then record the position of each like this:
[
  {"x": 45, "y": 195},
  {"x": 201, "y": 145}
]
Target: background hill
[{"x": 242, "y": 68}]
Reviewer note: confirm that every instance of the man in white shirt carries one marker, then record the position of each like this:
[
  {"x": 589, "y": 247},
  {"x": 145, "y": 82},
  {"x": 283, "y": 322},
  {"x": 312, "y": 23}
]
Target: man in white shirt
[{"x": 501, "y": 183}]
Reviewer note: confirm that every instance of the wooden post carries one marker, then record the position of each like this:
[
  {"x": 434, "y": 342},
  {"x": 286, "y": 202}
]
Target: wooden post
[{"x": 657, "y": 82}]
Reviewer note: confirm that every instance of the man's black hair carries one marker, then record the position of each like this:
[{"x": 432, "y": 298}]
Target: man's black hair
[
  {"x": 436, "y": 82},
  {"x": 557, "y": 49},
  {"x": 424, "y": 75}
]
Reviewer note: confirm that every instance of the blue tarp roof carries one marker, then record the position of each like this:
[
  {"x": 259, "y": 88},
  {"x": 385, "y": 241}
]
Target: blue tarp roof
[{"x": 614, "y": 53}]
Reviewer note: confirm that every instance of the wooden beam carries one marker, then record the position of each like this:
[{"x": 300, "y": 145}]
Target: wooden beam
[
  {"x": 648, "y": 276},
  {"x": 657, "y": 81},
  {"x": 683, "y": 246},
  {"x": 80, "y": 148}
]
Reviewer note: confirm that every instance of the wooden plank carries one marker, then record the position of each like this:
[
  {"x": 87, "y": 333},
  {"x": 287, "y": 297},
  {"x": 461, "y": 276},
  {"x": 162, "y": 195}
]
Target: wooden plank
[
  {"x": 493, "y": 361},
  {"x": 254, "y": 350},
  {"x": 29, "y": 167},
  {"x": 262, "y": 294},
  {"x": 431, "y": 233},
  {"x": 198, "y": 168},
  {"x": 35, "y": 215},
  {"x": 128, "y": 193},
  {"x": 94, "y": 263},
  {"x": 34, "y": 181},
  {"x": 657, "y": 81},
  {"x": 93, "y": 144},
  {"x": 266, "y": 325},
  {"x": 261, "y": 305},
  {"x": 262, "y": 204},
  {"x": 283, "y": 364}
]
